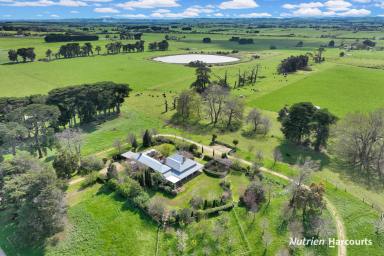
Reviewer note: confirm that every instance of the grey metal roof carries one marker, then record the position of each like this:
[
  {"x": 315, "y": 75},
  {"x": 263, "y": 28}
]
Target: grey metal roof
[
  {"x": 147, "y": 161},
  {"x": 179, "y": 162},
  {"x": 176, "y": 167}
]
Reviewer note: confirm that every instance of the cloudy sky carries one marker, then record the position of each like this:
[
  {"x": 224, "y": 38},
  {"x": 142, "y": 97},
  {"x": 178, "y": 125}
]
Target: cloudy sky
[{"x": 166, "y": 9}]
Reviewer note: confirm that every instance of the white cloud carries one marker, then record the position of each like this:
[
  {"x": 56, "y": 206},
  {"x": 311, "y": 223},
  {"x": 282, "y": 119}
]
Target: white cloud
[
  {"x": 74, "y": 12},
  {"x": 40, "y": 3},
  {"x": 338, "y": 5},
  {"x": 303, "y": 5},
  {"x": 106, "y": 10},
  {"x": 54, "y": 16},
  {"x": 162, "y": 11},
  {"x": 355, "y": 12},
  {"x": 148, "y": 4},
  {"x": 191, "y": 12},
  {"x": 44, "y": 3},
  {"x": 219, "y": 14},
  {"x": 98, "y": 1},
  {"x": 7, "y": 15},
  {"x": 305, "y": 11},
  {"x": 362, "y": 1},
  {"x": 256, "y": 15},
  {"x": 188, "y": 13},
  {"x": 71, "y": 3},
  {"x": 238, "y": 4}
]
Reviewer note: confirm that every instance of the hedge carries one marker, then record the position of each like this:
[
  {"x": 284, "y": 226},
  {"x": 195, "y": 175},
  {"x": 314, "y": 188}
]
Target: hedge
[
  {"x": 215, "y": 174},
  {"x": 211, "y": 211}
]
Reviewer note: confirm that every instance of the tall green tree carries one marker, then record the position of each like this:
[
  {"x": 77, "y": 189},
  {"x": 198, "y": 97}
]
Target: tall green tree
[
  {"x": 33, "y": 197},
  {"x": 296, "y": 125},
  {"x": 65, "y": 164},
  {"x": 147, "y": 139},
  {"x": 202, "y": 79},
  {"x": 12, "y": 55},
  {"x": 40, "y": 120},
  {"x": 12, "y": 134},
  {"x": 322, "y": 120}
]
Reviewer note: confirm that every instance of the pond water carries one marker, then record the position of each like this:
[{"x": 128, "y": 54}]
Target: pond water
[{"x": 187, "y": 58}]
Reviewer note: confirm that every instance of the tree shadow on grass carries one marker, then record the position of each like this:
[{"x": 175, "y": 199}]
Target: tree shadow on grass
[
  {"x": 293, "y": 154},
  {"x": 92, "y": 126},
  {"x": 199, "y": 128},
  {"x": 367, "y": 180}
]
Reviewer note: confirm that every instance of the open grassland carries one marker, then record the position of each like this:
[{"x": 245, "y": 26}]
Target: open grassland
[{"x": 341, "y": 89}]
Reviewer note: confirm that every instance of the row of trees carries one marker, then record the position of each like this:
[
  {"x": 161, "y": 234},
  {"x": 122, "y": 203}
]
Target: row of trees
[
  {"x": 203, "y": 77},
  {"x": 50, "y": 38},
  {"x": 24, "y": 53},
  {"x": 31, "y": 122},
  {"x": 87, "y": 102},
  {"x": 305, "y": 124},
  {"x": 117, "y": 47},
  {"x": 219, "y": 107},
  {"x": 72, "y": 50}
]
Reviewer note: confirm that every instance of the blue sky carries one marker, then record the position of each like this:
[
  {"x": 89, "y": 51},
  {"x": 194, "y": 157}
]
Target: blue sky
[{"x": 174, "y": 9}]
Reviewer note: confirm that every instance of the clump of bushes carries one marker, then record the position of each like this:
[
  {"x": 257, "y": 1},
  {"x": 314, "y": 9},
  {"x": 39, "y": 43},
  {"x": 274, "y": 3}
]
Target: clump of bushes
[
  {"x": 131, "y": 190},
  {"x": 90, "y": 164},
  {"x": 292, "y": 64},
  {"x": 90, "y": 180}
]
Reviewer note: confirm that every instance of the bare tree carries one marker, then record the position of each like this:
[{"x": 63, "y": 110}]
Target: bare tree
[
  {"x": 118, "y": 144},
  {"x": 359, "y": 141},
  {"x": 71, "y": 140},
  {"x": 188, "y": 106},
  {"x": 264, "y": 224},
  {"x": 215, "y": 97},
  {"x": 277, "y": 157},
  {"x": 266, "y": 125},
  {"x": 306, "y": 169},
  {"x": 267, "y": 240},
  {"x": 182, "y": 239},
  {"x": 234, "y": 110},
  {"x": 254, "y": 117},
  {"x": 131, "y": 139}
]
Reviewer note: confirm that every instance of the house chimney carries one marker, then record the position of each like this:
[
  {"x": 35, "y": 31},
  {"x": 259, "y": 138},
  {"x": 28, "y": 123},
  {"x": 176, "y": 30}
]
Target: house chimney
[{"x": 184, "y": 158}]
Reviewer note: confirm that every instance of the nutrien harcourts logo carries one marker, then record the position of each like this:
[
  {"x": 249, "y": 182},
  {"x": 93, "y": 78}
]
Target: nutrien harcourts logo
[{"x": 331, "y": 242}]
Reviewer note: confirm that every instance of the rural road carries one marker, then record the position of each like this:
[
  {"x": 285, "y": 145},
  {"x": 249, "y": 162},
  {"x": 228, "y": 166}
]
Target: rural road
[
  {"x": 2, "y": 253},
  {"x": 342, "y": 249}
]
